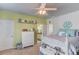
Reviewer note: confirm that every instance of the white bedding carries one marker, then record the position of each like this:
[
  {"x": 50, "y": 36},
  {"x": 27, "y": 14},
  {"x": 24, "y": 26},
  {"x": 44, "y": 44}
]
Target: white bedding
[
  {"x": 53, "y": 43},
  {"x": 56, "y": 41}
]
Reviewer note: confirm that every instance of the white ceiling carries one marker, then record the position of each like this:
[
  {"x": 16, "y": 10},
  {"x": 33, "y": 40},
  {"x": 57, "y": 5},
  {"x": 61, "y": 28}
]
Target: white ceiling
[{"x": 29, "y": 8}]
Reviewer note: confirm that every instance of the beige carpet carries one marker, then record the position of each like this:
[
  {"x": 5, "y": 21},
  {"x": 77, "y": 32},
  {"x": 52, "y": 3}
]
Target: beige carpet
[{"x": 33, "y": 50}]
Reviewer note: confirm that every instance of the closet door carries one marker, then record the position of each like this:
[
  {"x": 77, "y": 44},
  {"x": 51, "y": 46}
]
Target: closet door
[
  {"x": 9, "y": 33},
  {"x": 6, "y": 34},
  {"x": 2, "y": 35}
]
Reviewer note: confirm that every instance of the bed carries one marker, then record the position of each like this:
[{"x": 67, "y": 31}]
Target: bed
[{"x": 58, "y": 45}]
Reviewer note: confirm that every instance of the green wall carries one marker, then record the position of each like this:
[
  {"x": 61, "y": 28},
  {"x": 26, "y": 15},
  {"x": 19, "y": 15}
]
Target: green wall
[{"x": 5, "y": 15}]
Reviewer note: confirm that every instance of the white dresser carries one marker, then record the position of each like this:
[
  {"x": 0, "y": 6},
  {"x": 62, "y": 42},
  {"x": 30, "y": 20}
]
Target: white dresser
[{"x": 27, "y": 38}]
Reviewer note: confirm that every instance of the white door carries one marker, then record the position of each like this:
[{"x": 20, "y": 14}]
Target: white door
[
  {"x": 6, "y": 34},
  {"x": 50, "y": 29}
]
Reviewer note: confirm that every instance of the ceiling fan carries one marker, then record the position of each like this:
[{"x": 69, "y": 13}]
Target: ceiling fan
[{"x": 42, "y": 10}]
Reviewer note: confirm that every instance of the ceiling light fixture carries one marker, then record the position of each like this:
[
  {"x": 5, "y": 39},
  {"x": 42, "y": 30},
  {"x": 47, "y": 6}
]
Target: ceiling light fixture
[
  {"x": 42, "y": 9},
  {"x": 42, "y": 12}
]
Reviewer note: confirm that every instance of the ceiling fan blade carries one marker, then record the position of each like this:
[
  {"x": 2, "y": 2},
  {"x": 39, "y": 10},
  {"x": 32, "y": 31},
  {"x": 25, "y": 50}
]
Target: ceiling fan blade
[
  {"x": 43, "y": 5},
  {"x": 50, "y": 9},
  {"x": 46, "y": 8}
]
